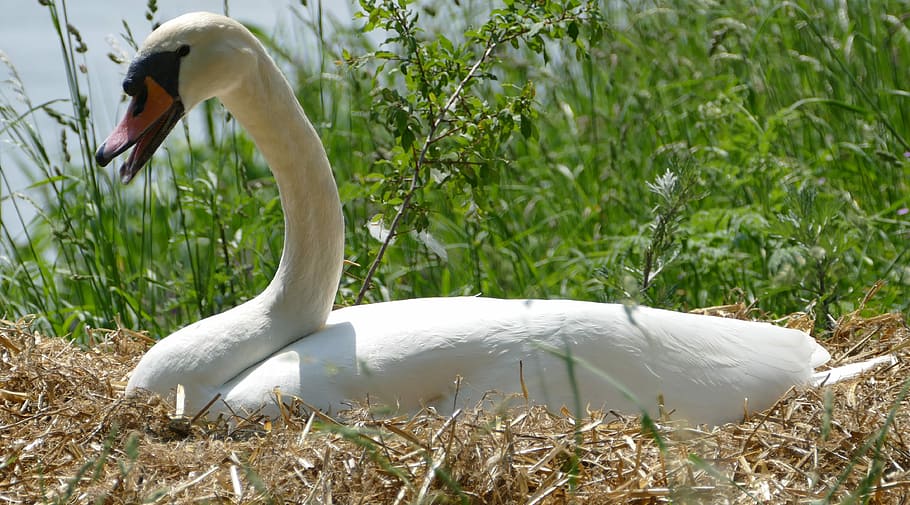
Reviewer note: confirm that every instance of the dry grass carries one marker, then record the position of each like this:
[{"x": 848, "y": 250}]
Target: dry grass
[{"x": 68, "y": 436}]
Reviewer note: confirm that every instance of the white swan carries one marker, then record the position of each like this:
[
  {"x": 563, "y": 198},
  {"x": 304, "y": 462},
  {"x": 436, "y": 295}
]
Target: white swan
[{"x": 408, "y": 353}]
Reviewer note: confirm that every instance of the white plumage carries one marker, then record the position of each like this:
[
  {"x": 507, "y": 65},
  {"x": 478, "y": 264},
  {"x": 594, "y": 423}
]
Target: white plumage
[{"x": 409, "y": 353}]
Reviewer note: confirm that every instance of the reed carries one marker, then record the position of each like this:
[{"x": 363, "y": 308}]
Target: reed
[{"x": 789, "y": 117}]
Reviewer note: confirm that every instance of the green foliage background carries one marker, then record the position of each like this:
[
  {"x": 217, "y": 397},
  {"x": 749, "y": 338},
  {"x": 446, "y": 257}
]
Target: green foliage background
[{"x": 675, "y": 153}]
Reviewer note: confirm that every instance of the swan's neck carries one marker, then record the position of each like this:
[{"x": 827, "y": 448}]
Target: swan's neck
[{"x": 302, "y": 292}]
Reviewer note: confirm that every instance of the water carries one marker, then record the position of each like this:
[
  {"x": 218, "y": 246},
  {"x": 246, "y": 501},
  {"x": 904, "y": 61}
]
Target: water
[{"x": 28, "y": 40}]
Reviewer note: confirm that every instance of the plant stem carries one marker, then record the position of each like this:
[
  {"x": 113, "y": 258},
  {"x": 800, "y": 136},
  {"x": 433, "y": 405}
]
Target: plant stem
[{"x": 403, "y": 208}]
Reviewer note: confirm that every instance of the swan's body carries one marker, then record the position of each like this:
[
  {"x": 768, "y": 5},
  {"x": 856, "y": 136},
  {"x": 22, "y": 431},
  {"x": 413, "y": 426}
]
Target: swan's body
[{"x": 408, "y": 353}]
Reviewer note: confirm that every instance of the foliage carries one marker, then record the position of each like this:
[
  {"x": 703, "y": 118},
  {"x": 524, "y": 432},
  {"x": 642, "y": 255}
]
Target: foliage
[
  {"x": 677, "y": 153},
  {"x": 463, "y": 131}
]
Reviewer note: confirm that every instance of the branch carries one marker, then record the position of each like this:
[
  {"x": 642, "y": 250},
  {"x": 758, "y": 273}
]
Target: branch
[
  {"x": 405, "y": 204},
  {"x": 430, "y": 139}
]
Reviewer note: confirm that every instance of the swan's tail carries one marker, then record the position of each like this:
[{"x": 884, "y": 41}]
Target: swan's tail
[{"x": 846, "y": 372}]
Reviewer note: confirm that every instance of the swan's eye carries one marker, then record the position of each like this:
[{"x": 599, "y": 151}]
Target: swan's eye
[
  {"x": 131, "y": 86},
  {"x": 183, "y": 51}
]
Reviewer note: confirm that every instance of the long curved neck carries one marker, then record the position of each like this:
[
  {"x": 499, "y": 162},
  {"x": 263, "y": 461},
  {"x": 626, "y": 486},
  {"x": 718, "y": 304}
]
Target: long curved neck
[{"x": 303, "y": 289}]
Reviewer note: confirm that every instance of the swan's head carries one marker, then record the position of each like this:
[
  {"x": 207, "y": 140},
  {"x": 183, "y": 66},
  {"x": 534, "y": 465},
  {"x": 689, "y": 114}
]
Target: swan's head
[{"x": 183, "y": 62}]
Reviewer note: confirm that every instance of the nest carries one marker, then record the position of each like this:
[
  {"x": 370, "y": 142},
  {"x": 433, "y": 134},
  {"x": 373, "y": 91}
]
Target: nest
[{"x": 68, "y": 435}]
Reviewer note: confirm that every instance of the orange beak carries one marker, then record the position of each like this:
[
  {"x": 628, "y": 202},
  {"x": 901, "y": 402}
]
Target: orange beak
[{"x": 151, "y": 115}]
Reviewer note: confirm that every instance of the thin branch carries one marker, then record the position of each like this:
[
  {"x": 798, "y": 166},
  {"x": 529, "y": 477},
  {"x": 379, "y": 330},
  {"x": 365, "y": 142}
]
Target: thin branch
[
  {"x": 405, "y": 204},
  {"x": 430, "y": 139}
]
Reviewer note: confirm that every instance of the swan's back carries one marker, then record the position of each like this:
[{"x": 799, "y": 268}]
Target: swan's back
[{"x": 409, "y": 353}]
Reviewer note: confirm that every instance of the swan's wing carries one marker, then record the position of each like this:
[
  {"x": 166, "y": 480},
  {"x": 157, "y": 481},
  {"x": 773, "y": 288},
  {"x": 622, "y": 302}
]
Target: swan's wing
[{"x": 410, "y": 352}]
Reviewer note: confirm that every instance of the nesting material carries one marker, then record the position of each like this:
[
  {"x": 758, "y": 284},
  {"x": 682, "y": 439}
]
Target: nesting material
[{"x": 68, "y": 435}]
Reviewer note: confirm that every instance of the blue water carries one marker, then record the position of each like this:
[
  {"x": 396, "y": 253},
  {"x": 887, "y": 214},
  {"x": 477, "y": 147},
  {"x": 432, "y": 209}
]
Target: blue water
[{"x": 28, "y": 41}]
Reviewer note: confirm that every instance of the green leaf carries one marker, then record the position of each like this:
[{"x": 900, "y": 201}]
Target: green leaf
[
  {"x": 526, "y": 127},
  {"x": 572, "y": 30}
]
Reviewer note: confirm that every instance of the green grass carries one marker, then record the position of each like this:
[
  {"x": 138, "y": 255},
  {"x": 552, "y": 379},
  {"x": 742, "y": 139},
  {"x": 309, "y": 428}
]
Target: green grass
[{"x": 785, "y": 127}]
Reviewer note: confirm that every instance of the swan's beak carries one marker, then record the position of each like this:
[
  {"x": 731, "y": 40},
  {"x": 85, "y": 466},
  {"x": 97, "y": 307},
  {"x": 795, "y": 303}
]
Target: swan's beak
[{"x": 151, "y": 115}]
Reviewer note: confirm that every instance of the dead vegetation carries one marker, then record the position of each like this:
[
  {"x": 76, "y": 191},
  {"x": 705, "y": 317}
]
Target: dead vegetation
[{"x": 67, "y": 435}]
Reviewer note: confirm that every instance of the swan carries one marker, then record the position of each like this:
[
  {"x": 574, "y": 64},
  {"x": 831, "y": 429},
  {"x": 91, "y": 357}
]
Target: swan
[{"x": 440, "y": 352}]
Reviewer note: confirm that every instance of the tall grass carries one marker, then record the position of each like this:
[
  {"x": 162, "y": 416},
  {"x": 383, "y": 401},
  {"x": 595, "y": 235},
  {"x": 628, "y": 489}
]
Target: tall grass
[{"x": 790, "y": 119}]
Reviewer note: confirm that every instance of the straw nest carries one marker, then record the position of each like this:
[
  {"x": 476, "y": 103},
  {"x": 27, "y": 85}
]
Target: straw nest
[{"x": 67, "y": 435}]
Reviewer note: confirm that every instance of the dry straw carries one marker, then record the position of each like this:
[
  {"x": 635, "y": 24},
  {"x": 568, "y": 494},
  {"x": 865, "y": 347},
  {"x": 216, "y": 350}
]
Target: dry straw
[{"x": 67, "y": 435}]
